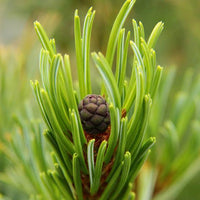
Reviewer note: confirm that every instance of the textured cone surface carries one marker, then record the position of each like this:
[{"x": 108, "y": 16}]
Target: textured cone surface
[{"x": 94, "y": 113}]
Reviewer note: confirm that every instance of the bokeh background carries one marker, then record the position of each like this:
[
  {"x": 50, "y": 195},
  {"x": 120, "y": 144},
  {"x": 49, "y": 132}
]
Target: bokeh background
[{"x": 178, "y": 45}]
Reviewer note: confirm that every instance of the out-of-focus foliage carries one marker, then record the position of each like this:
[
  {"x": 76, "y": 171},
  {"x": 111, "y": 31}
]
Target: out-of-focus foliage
[
  {"x": 15, "y": 70},
  {"x": 175, "y": 122},
  {"x": 26, "y": 156},
  {"x": 13, "y": 86},
  {"x": 180, "y": 42},
  {"x": 12, "y": 91}
]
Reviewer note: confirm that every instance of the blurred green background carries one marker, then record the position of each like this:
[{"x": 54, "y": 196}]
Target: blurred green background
[{"x": 179, "y": 45}]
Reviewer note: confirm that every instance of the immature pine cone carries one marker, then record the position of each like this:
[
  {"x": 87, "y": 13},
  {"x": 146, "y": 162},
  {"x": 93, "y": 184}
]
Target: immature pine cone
[{"x": 94, "y": 114}]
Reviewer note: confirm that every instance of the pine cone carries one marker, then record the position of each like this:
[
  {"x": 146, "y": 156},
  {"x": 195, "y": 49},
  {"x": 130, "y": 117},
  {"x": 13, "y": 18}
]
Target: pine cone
[{"x": 94, "y": 113}]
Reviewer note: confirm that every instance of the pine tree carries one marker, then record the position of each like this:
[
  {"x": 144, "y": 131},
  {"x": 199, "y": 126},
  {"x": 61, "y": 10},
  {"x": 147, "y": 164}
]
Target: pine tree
[{"x": 87, "y": 165}]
